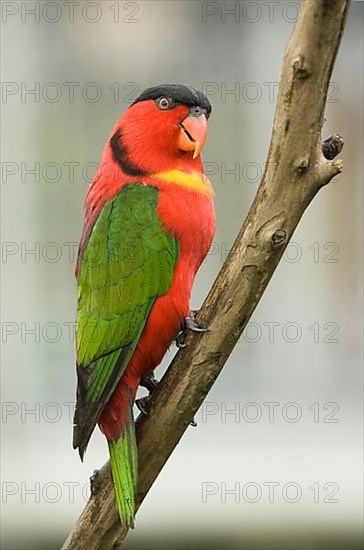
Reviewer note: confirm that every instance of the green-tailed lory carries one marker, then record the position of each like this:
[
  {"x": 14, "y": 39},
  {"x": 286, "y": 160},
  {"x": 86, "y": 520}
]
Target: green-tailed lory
[{"x": 149, "y": 223}]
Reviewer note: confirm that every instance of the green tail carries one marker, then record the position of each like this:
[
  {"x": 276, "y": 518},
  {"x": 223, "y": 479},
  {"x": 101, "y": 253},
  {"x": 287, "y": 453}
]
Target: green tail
[{"x": 124, "y": 468}]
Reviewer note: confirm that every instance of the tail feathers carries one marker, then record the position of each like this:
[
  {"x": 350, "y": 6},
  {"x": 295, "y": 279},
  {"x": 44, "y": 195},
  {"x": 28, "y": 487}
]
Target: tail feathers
[
  {"x": 95, "y": 385},
  {"x": 124, "y": 468}
]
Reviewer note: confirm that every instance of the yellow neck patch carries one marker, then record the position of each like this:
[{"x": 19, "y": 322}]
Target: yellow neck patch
[{"x": 190, "y": 180}]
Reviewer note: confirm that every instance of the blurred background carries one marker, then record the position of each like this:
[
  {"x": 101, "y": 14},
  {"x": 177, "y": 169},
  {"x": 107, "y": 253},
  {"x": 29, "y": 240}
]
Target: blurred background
[{"x": 276, "y": 459}]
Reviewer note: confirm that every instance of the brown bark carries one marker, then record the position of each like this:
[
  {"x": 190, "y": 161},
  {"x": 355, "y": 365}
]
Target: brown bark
[{"x": 298, "y": 166}]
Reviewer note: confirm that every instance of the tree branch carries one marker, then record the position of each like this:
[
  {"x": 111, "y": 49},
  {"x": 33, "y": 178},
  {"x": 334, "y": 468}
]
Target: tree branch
[{"x": 298, "y": 166}]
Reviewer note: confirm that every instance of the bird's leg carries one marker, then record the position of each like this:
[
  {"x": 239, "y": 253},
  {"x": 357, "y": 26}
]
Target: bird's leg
[
  {"x": 151, "y": 383},
  {"x": 95, "y": 482},
  {"x": 142, "y": 404},
  {"x": 180, "y": 339},
  {"x": 189, "y": 323}
]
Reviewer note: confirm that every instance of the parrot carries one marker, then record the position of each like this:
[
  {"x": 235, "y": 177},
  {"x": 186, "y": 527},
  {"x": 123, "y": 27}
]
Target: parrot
[{"x": 149, "y": 222}]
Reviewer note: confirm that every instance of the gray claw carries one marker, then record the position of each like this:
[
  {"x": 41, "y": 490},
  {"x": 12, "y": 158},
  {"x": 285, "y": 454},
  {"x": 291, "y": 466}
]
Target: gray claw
[
  {"x": 180, "y": 340},
  {"x": 190, "y": 323},
  {"x": 141, "y": 404},
  {"x": 149, "y": 381}
]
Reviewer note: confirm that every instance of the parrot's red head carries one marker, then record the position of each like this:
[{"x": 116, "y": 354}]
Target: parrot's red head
[
  {"x": 164, "y": 128},
  {"x": 163, "y": 131}
]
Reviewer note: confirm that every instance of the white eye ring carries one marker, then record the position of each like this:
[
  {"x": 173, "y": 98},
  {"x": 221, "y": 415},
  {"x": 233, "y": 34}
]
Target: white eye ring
[{"x": 163, "y": 103}]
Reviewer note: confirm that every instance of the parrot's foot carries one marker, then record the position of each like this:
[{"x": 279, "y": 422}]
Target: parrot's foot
[
  {"x": 188, "y": 324},
  {"x": 180, "y": 340},
  {"x": 142, "y": 404},
  {"x": 149, "y": 381},
  {"x": 95, "y": 482}
]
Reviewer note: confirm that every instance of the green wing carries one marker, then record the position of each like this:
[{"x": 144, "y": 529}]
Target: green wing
[{"x": 129, "y": 260}]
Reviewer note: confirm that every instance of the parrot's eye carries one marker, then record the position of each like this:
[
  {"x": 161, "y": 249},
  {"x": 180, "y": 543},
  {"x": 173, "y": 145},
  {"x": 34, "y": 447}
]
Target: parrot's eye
[
  {"x": 197, "y": 111},
  {"x": 163, "y": 103}
]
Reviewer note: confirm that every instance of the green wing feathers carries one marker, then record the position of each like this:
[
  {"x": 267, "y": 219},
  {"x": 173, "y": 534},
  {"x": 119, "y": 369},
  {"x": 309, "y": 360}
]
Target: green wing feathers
[{"x": 128, "y": 262}]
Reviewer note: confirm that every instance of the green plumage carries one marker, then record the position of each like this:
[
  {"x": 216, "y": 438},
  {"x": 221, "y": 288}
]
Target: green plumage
[
  {"x": 124, "y": 468},
  {"x": 127, "y": 263},
  {"x": 126, "y": 251}
]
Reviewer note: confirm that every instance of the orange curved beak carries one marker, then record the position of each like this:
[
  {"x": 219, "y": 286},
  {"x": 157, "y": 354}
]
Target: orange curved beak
[{"x": 193, "y": 134}]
